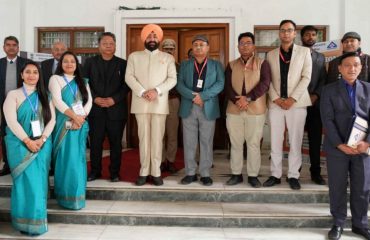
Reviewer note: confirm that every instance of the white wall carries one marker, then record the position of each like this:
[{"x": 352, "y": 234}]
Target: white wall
[{"x": 23, "y": 16}]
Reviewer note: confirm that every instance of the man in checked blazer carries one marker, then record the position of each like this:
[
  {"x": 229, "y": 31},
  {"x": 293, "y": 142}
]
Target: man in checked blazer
[{"x": 291, "y": 67}]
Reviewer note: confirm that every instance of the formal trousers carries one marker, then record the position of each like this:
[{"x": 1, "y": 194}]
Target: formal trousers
[
  {"x": 247, "y": 128},
  {"x": 196, "y": 126},
  {"x": 358, "y": 169},
  {"x": 294, "y": 119},
  {"x": 172, "y": 125},
  {"x": 314, "y": 132},
  {"x": 151, "y": 129}
]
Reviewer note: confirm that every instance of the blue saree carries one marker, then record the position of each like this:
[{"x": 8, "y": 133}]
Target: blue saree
[
  {"x": 69, "y": 154},
  {"x": 30, "y": 173}
]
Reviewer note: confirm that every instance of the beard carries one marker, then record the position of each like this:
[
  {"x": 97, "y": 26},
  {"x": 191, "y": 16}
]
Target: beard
[
  {"x": 309, "y": 44},
  {"x": 151, "y": 46}
]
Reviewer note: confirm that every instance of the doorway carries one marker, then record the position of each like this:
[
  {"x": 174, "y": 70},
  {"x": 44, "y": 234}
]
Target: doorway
[{"x": 182, "y": 34}]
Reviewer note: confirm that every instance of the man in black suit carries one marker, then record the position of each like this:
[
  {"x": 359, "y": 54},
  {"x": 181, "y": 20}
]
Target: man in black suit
[
  {"x": 313, "y": 120},
  {"x": 10, "y": 67},
  {"x": 108, "y": 115},
  {"x": 49, "y": 66},
  {"x": 340, "y": 102}
]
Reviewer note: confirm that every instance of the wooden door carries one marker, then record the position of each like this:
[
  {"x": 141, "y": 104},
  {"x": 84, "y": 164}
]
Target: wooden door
[{"x": 183, "y": 35}]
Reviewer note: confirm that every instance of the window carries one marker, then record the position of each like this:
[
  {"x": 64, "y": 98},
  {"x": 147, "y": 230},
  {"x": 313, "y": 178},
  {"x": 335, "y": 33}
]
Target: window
[
  {"x": 83, "y": 41},
  {"x": 267, "y": 37}
]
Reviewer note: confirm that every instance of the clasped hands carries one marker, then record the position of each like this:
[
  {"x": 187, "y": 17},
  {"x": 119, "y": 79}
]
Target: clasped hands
[
  {"x": 242, "y": 103},
  {"x": 34, "y": 145},
  {"x": 197, "y": 99},
  {"x": 150, "y": 95},
  {"x": 360, "y": 148},
  {"x": 285, "y": 103},
  {"x": 104, "y": 102}
]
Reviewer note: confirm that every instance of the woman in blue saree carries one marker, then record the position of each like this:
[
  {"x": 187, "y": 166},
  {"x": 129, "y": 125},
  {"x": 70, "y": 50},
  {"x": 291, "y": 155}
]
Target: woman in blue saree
[
  {"x": 30, "y": 120},
  {"x": 72, "y": 100}
]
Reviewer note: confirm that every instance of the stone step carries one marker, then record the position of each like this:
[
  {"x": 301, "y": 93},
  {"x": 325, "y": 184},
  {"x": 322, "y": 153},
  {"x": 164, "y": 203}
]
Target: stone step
[
  {"x": 218, "y": 192},
  {"x": 59, "y": 231},
  {"x": 191, "y": 214}
]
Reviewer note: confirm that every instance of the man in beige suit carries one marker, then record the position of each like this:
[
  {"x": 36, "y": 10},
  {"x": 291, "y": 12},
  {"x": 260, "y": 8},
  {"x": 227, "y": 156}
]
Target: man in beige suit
[
  {"x": 150, "y": 74},
  {"x": 291, "y": 67}
]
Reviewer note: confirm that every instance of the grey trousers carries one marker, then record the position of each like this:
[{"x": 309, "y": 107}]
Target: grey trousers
[{"x": 196, "y": 125}]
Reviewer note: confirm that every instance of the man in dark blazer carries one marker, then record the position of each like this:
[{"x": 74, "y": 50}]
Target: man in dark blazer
[
  {"x": 9, "y": 80},
  {"x": 313, "y": 120},
  {"x": 49, "y": 66},
  {"x": 106, "y": 74},
  {"x": 340, "y": 102}
]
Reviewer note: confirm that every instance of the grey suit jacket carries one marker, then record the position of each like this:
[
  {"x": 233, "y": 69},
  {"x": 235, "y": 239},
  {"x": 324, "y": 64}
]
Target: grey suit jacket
[
  {"x": 336, "y": 113},
  {"x": 318, "y": 76}
]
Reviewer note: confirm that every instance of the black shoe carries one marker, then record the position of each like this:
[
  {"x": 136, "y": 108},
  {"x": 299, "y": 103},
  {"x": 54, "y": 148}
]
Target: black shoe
[
  {"x": 271, "y": 181},
  {"x": 335, "y": 233},
  {"x": 189, "y": 179},
  {"x": 235, "y": 179},
  {"x": 114, "y": 179},
  {"x": 206, "y": 181},
  {"x": 318, "y": 179},
  {"x": 93, "y": 177},
  {"x": 5, "y": 171},
  {"x": 365, "y": 232},
  {"x": 254, "y": 182},
  {"x": 294, "y": 183},
  {"x": 140, "y": 181},
  {"x": 157, "y": 181},
  {"x": 171, "y": 167}
]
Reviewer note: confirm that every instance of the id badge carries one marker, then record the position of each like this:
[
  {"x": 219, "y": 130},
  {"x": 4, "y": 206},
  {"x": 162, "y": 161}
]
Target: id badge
[
  {"x": 200, "y": 83},
  {"x": 36, "y": 128},
  {"x": 78, "y": 108}
]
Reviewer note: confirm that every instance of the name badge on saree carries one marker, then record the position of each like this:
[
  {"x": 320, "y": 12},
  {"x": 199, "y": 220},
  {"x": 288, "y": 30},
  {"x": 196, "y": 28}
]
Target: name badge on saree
[
  {"x": 36, "y": 128},
  {"x": 78, "y": 108},
  {"x": 200, "y": 83}
]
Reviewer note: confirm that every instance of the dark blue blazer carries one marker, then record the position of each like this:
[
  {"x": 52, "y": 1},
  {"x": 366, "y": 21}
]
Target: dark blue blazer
[
  {"x": 336, "y": 113},
  {"x": 213, "y": 85}
]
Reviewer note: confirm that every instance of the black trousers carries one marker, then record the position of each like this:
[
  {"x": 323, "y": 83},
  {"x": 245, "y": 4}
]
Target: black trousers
[
  {"x": 314, "y": 131},
  {"x": 99, "y": 127},
  {"x": 3, "y": 147}
]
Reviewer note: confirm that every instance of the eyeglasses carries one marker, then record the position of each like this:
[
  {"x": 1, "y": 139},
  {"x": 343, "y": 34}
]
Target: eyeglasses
[
  {"x": 245, "y": 44},
  {"x": 289, "y": 30}
]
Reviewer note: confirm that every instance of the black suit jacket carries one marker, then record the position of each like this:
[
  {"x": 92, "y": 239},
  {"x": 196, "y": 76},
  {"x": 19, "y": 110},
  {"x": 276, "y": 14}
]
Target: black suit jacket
[
  {"x": 47, "y": 70},
  {"x": 318, "y": 76},
  {"x": 112, "y": 85},
  {"x": 336, "y": 113}
]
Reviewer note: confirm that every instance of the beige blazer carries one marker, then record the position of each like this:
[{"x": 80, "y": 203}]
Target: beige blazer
[
  {"x": 299, "y": 76},
  {"x": 147, "y": 70}
]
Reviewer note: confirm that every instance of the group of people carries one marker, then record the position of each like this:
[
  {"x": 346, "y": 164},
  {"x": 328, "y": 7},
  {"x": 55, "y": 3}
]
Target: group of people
[{"x": 288, "y": 85}]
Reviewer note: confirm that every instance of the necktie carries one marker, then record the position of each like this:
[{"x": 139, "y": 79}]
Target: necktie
[{"x": 11, "y": 62}]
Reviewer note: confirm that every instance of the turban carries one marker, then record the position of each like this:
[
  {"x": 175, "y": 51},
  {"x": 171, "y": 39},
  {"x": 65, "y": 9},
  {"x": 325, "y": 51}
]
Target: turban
[{"x": 147, "y": 29}]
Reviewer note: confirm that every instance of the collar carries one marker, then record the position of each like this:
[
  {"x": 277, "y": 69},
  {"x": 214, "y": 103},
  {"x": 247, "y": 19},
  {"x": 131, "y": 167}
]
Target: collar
[
  {"x": 290, "y": 49},
  {"x": 151, "y": 52},
  {"x": 14, "y": 59},
  {"x": 349, "y": 87}
]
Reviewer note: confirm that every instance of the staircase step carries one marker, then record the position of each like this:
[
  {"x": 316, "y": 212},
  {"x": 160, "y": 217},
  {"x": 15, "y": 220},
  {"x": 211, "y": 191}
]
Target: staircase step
[
  {"x": 173, "y": 191},
  {"x": 59, "y": 231},
  {"x": 192, "y": 214}
]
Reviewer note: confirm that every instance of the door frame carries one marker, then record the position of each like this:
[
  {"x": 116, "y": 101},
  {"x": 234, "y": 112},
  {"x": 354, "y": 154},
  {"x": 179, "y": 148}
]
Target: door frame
[{"x": 188, "y": 26}]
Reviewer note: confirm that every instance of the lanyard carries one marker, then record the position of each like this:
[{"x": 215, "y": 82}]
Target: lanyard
[
  {"x": 34, "y": 109},
  {"x": 282, "y": 58},
  {"x": 201, "y": 71},
  {"x": 74, "y": 93}
]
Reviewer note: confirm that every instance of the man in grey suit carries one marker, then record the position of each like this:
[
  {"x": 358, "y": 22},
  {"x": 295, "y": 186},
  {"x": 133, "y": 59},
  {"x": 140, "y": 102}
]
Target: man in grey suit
[
  {"x": 10, "y": 67},
  {"x": 313, "y": 120},
  {"x": 340, "y": 102}
]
